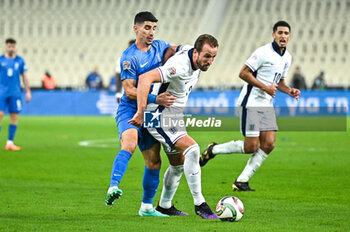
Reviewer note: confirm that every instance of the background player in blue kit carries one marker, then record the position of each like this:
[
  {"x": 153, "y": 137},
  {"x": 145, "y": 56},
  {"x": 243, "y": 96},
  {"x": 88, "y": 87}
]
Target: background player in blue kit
[
  {"x": 11, "y": 68},
  {"x": 144, "y": 55}
]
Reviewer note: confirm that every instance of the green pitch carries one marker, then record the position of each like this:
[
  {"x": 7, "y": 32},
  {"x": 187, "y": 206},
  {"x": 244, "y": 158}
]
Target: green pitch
[{"x": 55, "y": 184}]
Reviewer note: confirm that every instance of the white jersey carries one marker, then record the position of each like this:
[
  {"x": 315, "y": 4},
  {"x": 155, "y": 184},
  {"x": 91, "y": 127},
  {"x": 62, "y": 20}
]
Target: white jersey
[
  {"x": 117, "y": 66},
  {"x": 179, "y": 72},
  {"x": 269, "y": 67}
]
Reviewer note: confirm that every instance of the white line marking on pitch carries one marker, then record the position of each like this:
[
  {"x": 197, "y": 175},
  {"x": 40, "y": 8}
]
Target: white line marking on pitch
[{"x": 101, "y": 143}]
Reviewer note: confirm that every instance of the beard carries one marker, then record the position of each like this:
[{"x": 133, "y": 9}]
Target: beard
[{"x": 201, "y": 67}]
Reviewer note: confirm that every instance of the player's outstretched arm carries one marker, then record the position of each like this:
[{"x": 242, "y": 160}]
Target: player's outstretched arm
[
  {"x": 143, "y": 88},
  {"x": 27, "y": 87},
  {"x": 283, "y": 87},
  {"x": 246, "y": 74}
]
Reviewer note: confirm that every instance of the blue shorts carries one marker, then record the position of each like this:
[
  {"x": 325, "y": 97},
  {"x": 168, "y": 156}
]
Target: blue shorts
[
  {"x": 124, "y": 114},
  {"x": 14, "y": 104}
]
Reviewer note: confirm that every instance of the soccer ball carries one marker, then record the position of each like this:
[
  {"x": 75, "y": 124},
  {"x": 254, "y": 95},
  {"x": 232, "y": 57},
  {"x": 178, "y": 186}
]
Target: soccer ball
[{"x": 230, "y": 209}]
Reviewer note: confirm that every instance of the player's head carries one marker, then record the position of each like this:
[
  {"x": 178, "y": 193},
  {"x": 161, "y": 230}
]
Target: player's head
[
  {"x": 281, "y": 33},
  {"x": 205, "y": 50},
  {"x": 145, "y": 25},
  {"x": 10, "y": 46}
]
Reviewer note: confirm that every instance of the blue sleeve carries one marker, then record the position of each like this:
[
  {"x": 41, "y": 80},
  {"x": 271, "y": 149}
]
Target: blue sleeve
[
  {"x": 163, "y": 46},
  {"x": 128, "y": 68},
  {"x": 23, "y": 67}
]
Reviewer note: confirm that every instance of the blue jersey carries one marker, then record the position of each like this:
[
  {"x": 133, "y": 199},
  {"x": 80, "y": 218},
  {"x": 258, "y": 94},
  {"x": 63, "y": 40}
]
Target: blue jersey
[
  {"x": 10, "y": 71},
  {"x": 134, "y": 63}
]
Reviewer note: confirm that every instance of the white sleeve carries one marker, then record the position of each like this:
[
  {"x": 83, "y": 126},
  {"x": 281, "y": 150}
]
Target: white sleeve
[
  {"x": 286, "y": 68},
  {"x": 184, "y": 47},
  {"x": 117, "y": 67},
  {"x": 255, "y": 60},
  {"x": 174, "y": 67}
]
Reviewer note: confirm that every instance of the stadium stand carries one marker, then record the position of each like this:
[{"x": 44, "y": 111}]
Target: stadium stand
[{"x": 70, "y": 37}]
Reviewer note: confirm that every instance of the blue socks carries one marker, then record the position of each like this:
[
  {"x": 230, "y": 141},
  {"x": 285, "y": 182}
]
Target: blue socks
[
  {"x": 12, "y": 131},
  {"x": 150, "y": 185},
  {"x": 150, "y": 177},
  {"x": 119, "y": 167}
]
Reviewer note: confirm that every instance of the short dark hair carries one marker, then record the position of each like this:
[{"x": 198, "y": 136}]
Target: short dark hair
[
  {"x": 205, "y": 39},
  {"x": 144, "y": 16},
  {"x": 131, "y": 42},
  {"x": 281, "y": 24},
  {"x": 10, "y": 40}
]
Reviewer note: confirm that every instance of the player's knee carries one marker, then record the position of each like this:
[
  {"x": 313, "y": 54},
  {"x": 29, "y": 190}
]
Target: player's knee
[
  {"x": 250, "y": 148},
  {"x": 130, "y": 147},
  {"x": 154, "y": 164},
  {"x": 268, "y": 147}
]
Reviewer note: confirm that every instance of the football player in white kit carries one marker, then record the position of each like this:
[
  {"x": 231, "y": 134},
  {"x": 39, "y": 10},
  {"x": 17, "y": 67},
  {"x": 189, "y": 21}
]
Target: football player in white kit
[
  {"x": 264, "y": 72},
  {"x": 178, "y": 75}
]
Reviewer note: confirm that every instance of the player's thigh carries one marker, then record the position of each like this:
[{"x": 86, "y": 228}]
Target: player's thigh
[
  {"x": 267, "y": 141},
  {"x": 268, "y": 120},
  {"x": 251, "y": 144},
  {"x": 129, "y": 139},
  {"x": 2, "y": 113},
  {"x": 176, "y": 158},
  {"x": 152, "y": 156},
  {"x": 183, "y": 143},
  {"x": 167, "y": 136},
  {"x": 15, "y": 105},
  {"x": 3, "y": 105}
]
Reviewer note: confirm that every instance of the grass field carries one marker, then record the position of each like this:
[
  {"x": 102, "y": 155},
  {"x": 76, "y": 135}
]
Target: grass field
[{"x": 54, "y": 184}]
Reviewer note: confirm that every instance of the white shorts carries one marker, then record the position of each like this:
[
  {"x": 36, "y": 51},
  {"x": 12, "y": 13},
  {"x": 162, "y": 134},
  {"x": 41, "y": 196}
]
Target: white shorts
[
  {"x": 171, "y": 130},
  {"x": 256, "y": 119}
]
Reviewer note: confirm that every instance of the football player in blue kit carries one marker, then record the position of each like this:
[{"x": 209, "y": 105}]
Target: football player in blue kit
[
  {"x": 11, "y": 68},
  {"x": 144, "y": 55}
]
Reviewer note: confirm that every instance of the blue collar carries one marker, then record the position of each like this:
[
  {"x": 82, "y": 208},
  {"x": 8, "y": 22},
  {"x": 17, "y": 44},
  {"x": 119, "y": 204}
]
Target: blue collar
[
  {"x": 277, "y": 48},
  {"x": 190, "y": 55}
]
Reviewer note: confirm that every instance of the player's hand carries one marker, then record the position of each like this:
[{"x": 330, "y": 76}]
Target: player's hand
[
  {"x": 165, "y": 99},
  {"x": 294, "y": 93},
  {"x": 271, "y": 90},
  {"x": 137, "y": 120},
  {"x": 28, "y": 96}
]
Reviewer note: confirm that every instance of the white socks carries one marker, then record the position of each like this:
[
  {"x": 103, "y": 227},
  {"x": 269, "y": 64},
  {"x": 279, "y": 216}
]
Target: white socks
[
  {"x": 234, "y": 146},
  {"x": 171, "y": 181},
  {"x": 252, "y": 166},
  {"x": 146, "y": 207},
  {"x": 110, "y": 189},
  {"x": 193, "y": 173}
]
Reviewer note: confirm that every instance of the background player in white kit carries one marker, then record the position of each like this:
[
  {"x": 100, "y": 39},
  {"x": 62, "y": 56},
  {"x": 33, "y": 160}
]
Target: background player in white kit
[
  {"x": 179, "y": 74},
  {"x": 264, "y": 73}
]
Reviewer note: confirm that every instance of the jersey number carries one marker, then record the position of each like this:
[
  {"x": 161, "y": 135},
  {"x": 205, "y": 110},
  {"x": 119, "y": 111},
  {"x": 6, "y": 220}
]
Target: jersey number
[
  {"x": 277, "y": 78},
  {"x": 10, "y": 72}
]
